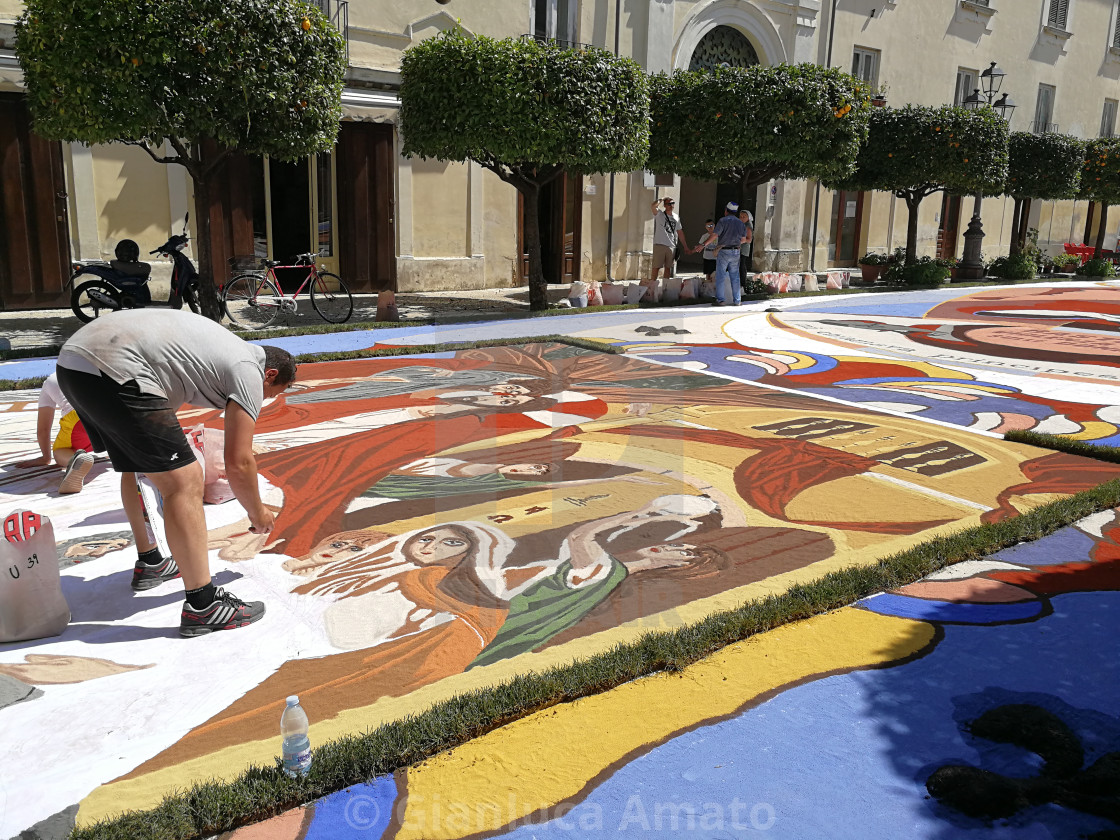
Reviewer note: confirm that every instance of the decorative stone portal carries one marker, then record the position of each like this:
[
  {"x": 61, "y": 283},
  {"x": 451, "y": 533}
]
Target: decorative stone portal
[{"x": 723, "y": 45}]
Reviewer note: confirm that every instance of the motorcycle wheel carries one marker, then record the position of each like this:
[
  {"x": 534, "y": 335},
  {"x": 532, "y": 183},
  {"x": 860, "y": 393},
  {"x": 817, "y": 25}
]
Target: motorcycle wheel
[
  {"x": 192, "y": 299},
  {"x": 87, "y": 308}
]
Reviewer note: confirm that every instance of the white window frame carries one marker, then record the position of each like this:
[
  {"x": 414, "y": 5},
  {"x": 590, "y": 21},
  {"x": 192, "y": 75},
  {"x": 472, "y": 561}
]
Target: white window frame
[
  {"x": 556, "y": 29},
  {"x": 1108, "y": 118},
  {"x": 861, "y": 56},
  {"x": 1038, "y": 121},
  {"x": 958, "y": 95}
]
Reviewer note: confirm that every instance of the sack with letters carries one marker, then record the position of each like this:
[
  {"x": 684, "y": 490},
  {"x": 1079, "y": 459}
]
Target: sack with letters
[{"x": 32, "y": 605}]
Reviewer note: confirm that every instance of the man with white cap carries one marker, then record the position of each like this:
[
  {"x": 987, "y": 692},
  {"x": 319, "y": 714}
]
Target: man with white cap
[{"x": 729, "y": 236}]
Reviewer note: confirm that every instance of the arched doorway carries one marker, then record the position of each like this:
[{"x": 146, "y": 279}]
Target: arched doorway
[{"x": 721, "y": 45}]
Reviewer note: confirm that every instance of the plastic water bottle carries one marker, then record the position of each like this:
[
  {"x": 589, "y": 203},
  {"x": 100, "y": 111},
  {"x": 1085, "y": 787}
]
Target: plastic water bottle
[{"x": 296, "y": 750}]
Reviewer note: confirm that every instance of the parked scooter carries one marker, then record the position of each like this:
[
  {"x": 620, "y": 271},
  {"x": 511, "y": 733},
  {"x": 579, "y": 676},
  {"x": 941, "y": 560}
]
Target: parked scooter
[{"x": 123, "y": 283}]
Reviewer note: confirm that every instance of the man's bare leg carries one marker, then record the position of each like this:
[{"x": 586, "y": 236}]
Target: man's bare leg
[
  {"x": 185, "y": 522},
  {"x": 134, "y": 510}
]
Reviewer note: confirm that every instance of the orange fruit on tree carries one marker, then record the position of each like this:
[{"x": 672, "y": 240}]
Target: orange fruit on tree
[{"x": 306, "y": 25}]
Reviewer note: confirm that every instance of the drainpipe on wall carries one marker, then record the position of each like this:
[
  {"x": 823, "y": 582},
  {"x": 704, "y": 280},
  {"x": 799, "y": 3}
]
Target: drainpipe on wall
[
  {"x": 817, "y": 197},
  {"x": 610, "y": 200}
]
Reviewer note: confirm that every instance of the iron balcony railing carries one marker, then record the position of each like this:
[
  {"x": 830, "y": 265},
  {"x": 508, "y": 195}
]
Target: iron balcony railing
[
  {"x": 568, "y": 45},
  {"x": 1044, "y": 128}
]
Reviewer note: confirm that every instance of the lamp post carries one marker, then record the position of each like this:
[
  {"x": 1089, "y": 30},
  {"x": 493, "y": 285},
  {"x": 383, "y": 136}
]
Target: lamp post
[{"x": 972, "y": 266}]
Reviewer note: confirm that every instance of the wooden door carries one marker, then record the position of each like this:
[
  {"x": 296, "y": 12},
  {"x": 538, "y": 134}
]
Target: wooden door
[
  {"x": 231, "y": 213},
  {"x": 34, "y": 231},
  {"x": 949, "y": 227},
  {"x": 571, "y": 223},
  {"x": 847, "y": 223},
  {"x": 561, "y": 223},
  {"x": 366, "y": 207}
]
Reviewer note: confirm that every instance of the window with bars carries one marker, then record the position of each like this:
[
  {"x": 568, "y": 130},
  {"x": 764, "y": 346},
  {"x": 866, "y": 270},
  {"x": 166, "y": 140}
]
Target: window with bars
[
  {"x": 966, "y": 84},
  {"x": 1108, "y": 119},
  {"x": 1059, "y": 14},
  {"x": 865, "y": 65}
]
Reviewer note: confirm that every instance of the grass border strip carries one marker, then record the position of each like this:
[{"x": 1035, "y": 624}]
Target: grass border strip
[
  {"x": 449, "y": 346},
  {"x": 396, "y": 350},
  {"x": 210, "y": 808},
  {"x": 1063, "y": 443}
]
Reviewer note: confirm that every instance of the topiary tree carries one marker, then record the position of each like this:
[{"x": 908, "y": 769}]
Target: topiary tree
[
  {"x": 205, "y": 77},
  {"x": 1100, "y": 180},
  {"x": 752, "y": 124},
  {"x": 1042, "y": 166},
  {"x": 916, "y": 151},
  {"x": 528, "y": 111}
]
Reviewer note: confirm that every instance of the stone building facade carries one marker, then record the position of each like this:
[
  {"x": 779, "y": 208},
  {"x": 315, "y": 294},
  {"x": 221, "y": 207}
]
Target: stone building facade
[{"x": 384, "y": 221}]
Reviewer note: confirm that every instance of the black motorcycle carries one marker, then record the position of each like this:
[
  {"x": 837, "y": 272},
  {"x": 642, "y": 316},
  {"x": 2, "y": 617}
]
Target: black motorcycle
[{"x": 123, "y": 283}]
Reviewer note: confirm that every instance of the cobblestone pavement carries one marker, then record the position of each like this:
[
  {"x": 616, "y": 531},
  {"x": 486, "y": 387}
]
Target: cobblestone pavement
[{"x": 51, "y": 327}]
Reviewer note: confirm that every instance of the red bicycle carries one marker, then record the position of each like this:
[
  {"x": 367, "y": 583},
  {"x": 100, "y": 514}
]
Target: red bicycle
[{"x": 253, "y": 301}]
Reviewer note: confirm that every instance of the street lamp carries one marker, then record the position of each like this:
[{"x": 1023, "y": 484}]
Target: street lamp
[{"x": 972, "y": 267}]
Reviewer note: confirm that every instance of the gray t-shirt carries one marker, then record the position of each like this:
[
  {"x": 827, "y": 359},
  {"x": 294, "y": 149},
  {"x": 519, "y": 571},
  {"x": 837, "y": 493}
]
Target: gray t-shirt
[
  {"x": 665, "y": 227},
  {"x": 186, "y": 358}
]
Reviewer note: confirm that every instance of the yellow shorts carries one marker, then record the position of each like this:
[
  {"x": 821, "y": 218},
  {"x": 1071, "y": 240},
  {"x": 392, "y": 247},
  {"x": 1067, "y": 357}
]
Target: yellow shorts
[{"x": 71, "y": 434}]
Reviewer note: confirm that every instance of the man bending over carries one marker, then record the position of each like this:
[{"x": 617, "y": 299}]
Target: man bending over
[{"x": 126, "y": 374}]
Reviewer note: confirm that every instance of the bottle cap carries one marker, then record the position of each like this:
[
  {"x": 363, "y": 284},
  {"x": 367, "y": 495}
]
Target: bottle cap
[{"x": 293, "y": 700}]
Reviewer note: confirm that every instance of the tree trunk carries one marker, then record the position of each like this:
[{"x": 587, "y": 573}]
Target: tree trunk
[
  {"x": 912, "y": 204},
  {"x": 1016, "y": 226},
  {"x": 207, "y": 291},
  {"x": 538, "y": 289},
  {"x": 1101, "y": 231},
  {"x": 1024, "y": 222}
]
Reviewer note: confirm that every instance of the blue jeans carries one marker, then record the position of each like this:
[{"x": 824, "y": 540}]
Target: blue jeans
[{"x": 727, "y": 270}]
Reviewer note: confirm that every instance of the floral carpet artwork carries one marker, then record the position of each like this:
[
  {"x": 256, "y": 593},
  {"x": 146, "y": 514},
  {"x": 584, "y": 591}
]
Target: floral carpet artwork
[
  {"x": 979, "y": 702},
  {"x": 1032, "y": 358},
  {"x": 447, "y": 522}
]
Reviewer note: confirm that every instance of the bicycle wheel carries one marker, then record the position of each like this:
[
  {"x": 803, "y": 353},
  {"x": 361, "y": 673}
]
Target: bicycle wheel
[
  {"x": 331, "y": 299},
  {"x": 251, "y": 301},
  {"x": 86, "y": 306}
]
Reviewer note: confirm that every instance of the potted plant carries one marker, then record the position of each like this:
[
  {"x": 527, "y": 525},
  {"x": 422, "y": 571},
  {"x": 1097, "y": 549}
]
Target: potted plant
[
  {"x": 879, "y": 96},
  {"x": 1065, "y": 263},
  {"x": 870, "y": 264}
]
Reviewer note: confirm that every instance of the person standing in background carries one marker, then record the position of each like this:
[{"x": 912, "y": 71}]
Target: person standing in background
[
  {"x": 709, "y": 244},
  {"x": 666, "y": 232},
  {"x": 748, "y": 242},
  {"x": 729, "y": 233}
]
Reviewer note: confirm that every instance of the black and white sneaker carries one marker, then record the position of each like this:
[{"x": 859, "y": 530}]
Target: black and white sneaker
[
  {"x": 76, "y": 471},
  {"x": 226, "y": 612},
  {"x": 146, "y": 577}
]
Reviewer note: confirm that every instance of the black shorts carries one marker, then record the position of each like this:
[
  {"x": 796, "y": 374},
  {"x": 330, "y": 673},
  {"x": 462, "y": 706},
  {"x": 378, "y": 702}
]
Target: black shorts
[
  {"x": 709, "y": 266},
  {"x": 139, "y": 431}
]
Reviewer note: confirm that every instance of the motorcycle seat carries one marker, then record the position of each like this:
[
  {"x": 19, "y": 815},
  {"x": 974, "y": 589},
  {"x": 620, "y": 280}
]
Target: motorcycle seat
[{"x": 138, "y": 270}]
